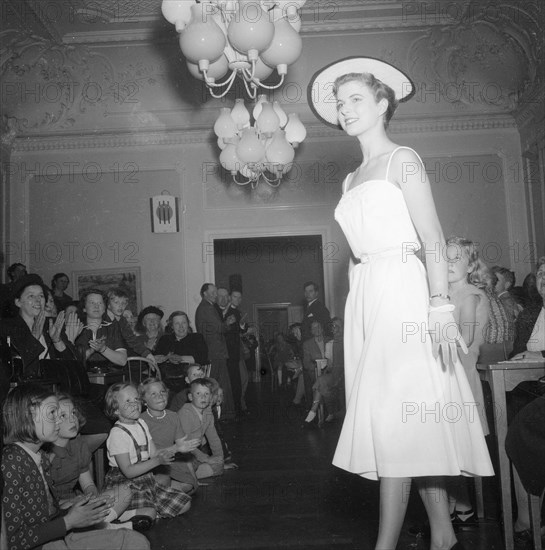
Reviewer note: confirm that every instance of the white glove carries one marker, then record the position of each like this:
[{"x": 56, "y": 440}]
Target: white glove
[{"x": 445, "y": 334}]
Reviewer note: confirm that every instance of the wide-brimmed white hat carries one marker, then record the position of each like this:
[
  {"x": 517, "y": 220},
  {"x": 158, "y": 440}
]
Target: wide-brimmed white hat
[{"x": 320, "y": 94}]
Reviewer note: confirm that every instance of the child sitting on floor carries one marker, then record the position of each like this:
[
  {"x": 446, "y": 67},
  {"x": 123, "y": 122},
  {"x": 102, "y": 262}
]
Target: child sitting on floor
[
  {"x": 167, "y": 432},
  {"x": 198, "y": 423},
  {"x": 70, "y": 465},
  {"x": 132, "y": 456},
  {"x": 192, "y": 372},
  {"x": 216, "y": 400},
  {"x": 31, "y": 514}
]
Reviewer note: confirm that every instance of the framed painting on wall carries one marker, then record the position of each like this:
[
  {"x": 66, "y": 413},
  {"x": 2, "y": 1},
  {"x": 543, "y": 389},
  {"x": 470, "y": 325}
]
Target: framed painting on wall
[{"x": 125, "y": 278}]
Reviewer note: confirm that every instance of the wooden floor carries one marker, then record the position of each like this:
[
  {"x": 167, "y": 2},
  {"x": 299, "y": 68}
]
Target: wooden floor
[{"x": 287, "y": 495}]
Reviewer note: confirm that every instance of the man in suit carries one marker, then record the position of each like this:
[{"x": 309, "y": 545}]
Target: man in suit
[
  {"x": 231, "y": 329},
  {"x": 241, "y": 328},
  {"x": 209, "y": 323},
  {"x": 314, "y": 311}
]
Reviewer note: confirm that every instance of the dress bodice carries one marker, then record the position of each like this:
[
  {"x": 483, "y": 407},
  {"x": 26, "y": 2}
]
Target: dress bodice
[{"x": 374, "y": 217}]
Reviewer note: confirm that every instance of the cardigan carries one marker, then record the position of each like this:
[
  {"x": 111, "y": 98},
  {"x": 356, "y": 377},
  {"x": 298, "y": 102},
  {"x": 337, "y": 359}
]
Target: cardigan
[
  {"x": 195, "y": 428},
  {"x": 24, "y": 501}
]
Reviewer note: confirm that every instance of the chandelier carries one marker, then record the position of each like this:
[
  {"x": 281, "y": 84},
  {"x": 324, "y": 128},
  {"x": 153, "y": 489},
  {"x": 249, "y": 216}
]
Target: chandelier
[
  {"x": 262, "y": 151},
  {"x": 250, "y": 38}
]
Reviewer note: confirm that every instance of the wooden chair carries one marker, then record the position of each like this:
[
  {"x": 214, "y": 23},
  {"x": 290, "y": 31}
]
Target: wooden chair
[{"x": 139, "y": 368}]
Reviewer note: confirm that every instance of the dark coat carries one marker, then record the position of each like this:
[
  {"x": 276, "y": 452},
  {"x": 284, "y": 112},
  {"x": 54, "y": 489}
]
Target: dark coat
[
  {"x": 525, "y": 445},
  {"x": 28, "y": 347},
  {"x": 315, "y": 312},
  {"x": 209, "y": 323},
  {"x": 524, "y": 326}
]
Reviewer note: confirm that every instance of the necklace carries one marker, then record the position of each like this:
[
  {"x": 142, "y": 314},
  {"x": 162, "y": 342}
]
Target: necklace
[{"x": 157, "y": 417}]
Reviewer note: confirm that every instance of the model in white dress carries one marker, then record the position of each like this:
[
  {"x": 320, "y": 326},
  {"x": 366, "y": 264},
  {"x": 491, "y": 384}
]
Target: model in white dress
[{"x": 407, "y": 414}]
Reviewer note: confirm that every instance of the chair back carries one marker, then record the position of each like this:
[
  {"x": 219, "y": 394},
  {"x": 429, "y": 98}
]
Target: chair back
[
  {"x": 69, "y": 375},
  {"x": 139, "y": 368}
]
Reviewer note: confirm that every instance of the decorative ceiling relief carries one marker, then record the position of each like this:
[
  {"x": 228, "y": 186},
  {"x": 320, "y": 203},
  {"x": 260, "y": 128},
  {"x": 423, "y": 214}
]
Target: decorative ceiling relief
[
  {"x": 118, "y": 11},
  {"x": 489, "y": 59},
  {"x": 46, "y": 85}
]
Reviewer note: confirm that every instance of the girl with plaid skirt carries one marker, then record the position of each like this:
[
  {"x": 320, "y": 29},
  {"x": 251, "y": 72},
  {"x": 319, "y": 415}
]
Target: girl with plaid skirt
[{"x": 132, "y": 456}]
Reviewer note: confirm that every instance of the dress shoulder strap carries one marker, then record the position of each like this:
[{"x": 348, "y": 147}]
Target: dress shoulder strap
[
  {"x": 346, "y": 180},
  {"x": 392, "y": 156}
]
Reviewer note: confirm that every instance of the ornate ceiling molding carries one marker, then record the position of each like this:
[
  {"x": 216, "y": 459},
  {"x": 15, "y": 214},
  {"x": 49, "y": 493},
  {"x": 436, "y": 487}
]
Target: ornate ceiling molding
[
  {"x": 315, "y": 131},
  {"x": 45, "y": 84},
  {"x": 492, "y": 57},
  {"x": 103, "y": 21},
  {"x": 29, "y": 15}
]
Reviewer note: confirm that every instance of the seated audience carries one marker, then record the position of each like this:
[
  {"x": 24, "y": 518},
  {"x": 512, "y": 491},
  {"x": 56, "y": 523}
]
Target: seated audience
[
  {"x": 59, "y": 284},
  {"x": 296, "y": 367},
  {"x": 500, "y": 331},
  {"x": 505, "y": 282},
  {"x": 337, "y": 329},
  {"x": 70, "y": 460},
  {"x": 525, "y": 446},
  {"x": 118, "y": 300},
  {"x": 192, "y": 371},
  {"x": 72, "y": 307},
  {"x": 7, "y": 309},
  {"x": 30, "y": 336},
  {"x": 314, "y": 348},
  {"x": 167, "y": 432},
  {"x": 33, "y": 342},
  {"x": 131, "y": 320},
  {"x": 249, "y": 347},
  {"x": 530, "y": 295},
  {"x": 179, "y": 345},
  {"x": 100, "y": 343},
  {"x": 530, "y": 325},
  {"x": 132, "y": 457},
  {"x": 149, "y": 327},
  {"x": 216, "y": 401},
  {"x": 31, "y": 514},
  {"x": 281, "y": 353},
  {"x": 525, "y": 410},
  {"x": 329, "y": 387},
  {"x": 198, "y": 423}
]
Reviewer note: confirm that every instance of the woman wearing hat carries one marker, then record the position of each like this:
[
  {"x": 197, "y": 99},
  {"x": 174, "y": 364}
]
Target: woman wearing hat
[
  {"x": 26, "y": 330},
  {"x": 408, "y": 411},
  {"x": 149, "y": 326}
]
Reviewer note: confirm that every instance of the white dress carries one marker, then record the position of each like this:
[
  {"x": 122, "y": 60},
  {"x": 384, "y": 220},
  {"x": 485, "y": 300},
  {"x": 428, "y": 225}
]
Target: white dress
[{"x": 406, "y": 414}]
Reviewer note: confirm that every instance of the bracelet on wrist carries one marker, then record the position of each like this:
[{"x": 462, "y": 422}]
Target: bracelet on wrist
[{"x": 440, "y": 295}]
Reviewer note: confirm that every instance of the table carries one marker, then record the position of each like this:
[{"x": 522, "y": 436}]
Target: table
[
  {"x": 106, "y": 377},
  {"x": 504, "y": 377}
]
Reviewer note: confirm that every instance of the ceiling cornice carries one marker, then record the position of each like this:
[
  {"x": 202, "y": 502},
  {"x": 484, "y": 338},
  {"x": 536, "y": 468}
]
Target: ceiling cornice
[
  {"x": 315, "y": 131},
  {"x": 94, "y": 21}
]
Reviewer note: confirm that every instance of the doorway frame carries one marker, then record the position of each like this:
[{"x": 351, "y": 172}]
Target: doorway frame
[
  {"x": 273, "y": 305},
  {"x": 327, "y": 294}
]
